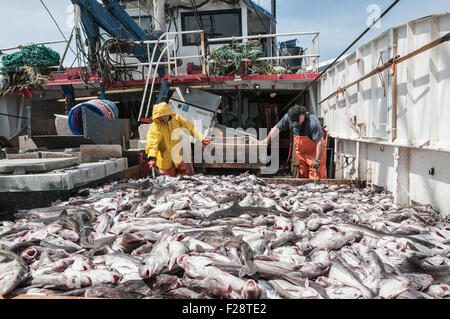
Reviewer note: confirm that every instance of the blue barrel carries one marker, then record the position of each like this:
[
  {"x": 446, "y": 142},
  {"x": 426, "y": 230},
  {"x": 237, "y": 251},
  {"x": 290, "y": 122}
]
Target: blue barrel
[
  {"x": 289, "y": 44},
  {"x": 103, "y": 108}
]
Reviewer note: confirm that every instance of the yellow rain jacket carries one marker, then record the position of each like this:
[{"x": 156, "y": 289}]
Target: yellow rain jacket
[{"x": 159, "y": 137}]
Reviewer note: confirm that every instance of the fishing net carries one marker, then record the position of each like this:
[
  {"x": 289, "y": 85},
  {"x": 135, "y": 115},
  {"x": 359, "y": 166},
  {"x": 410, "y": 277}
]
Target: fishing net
[
  {"x": 228, "y": 60},
  {"x": 264, "y": 67},
  {"x": 39, "y": 57},
  {"x": 28, "y": 67}
]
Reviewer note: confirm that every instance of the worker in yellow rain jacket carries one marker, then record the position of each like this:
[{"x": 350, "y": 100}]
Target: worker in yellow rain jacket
[{"x": 163, "y": 135}]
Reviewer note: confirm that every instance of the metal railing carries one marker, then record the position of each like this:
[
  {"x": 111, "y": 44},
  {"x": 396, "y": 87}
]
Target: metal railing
[
  {"x": 167, "y": 42},
  {"x": 313, "y": 48},
  {"x": 172, "y": 65},
  {"x": 39, "y": 43}
]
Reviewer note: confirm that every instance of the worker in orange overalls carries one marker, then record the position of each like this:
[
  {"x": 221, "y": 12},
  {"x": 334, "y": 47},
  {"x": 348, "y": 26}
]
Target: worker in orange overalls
[
  {"x": 162, "y": 138},
  {"x": 310, "y": 141}
]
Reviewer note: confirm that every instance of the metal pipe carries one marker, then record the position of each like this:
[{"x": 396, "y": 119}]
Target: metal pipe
[
  {"x": 78, "y": 99},
  {"x": 274, "y": 25},
  {"x": 274, "y": 8},
  {"x": 262, "y": 36},
  {"x": 39, "y": 43},
  {"x": 153, "y": 82},
  {"x": 148, "y": 73},
  {"x": 202, "y": 43},
  {"x": 65, "y": 52},
  {"x": 160, "y": 14},
  {"x": 287, "y": 57},
  {"x": 281, "y": 58},
  {"x": 168, "y": 56},
  {"x": 124, "y": 91},
  {"x": 394, "y": 89}
]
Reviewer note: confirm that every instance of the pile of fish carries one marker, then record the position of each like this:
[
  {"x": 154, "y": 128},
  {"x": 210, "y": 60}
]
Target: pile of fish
[{"x": 226, "y": 237}]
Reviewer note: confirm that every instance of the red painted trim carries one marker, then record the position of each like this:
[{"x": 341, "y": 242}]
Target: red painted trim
[{"x": 65, "y": 79}]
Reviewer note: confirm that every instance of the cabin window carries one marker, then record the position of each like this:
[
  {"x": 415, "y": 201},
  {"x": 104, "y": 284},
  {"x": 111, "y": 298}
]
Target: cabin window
[{"x": 217, "y": 24}]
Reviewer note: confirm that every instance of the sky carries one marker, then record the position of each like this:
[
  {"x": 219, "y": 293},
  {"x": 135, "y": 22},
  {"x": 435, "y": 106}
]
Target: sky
[{"x": 339, "y": 22}]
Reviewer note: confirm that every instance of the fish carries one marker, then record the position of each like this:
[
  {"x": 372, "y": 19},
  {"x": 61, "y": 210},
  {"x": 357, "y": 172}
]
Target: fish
[
  {"x": 105, "y": 275},
  {"x": 62, "y": 244},
  {"x": 343, "y": 292},
  {"x": 129, "y": 242},
  {"x": 247, "y": 254},
  {"x": 13, "y": 271},
  {"x": 273, "y": 269},
  {"x": 229, "y": 236},
  {"x": 384, "y": 234},
  {"x": 393, "y": 286},
  {"x": 164, "y": 282},
  {"x": 440, "y": 273},
  {"x": 34, "y": 253},
  {"x": 285, "y": 239},
  {"x": 98, "y": 245},
  {"x": 341, "y": 273},
  {"x": 236, "y": 210},
  {"x": 288, "y": 290},
  {"x": 185, "y": 293},
  {"x": 209, "y": 286},
  {"x": 142, "y": 250},
  {"x": 158, "y": 258},
  {"x": 106, "y": 292},
  {"x": 176, "y": 249},
  {"x": 312, "y": 270},
  {"x": 331, "y": 238},
  {"x": 301, "y": 281},
  {"x": 127, "y": 265},
  {"x": 438, "y": 291},
  {"x": 53, "y": 267},
  {"x": 65, "y": 282},
  {"x": 19, "y": 247}
]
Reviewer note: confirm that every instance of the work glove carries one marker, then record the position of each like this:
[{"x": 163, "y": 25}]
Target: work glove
[
  {"x": 151, "y": 162},
  {"x": 316, "y": 164},
  {"x": 206, "y": 142}
]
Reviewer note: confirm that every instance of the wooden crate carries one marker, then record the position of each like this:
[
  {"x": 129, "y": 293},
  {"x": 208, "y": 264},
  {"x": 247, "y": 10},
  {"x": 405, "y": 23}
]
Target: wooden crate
[{"x": 239, "y": 150}]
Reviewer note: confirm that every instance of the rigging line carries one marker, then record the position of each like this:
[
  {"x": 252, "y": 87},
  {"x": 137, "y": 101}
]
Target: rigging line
[
  {"x": 199, "y": 20},
  {"x": 345, "y": 51},
  {"x": 260, "y": 19},
  {"x": 200, "y": 23},
  {"x": 56, "y": 23},
  {"x": 10, "y": 115}
]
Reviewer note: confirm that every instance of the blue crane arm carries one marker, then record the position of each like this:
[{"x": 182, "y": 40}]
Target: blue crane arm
[
  {"x": 120, "y": 14},
  {"x": 116, "y": 22}
]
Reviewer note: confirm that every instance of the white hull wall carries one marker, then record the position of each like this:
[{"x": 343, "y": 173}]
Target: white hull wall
[
  {"x": 364, "y": 118},
  {"x": 408, "y": 177}
]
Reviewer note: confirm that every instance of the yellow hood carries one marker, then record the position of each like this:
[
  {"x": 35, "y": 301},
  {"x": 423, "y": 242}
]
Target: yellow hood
[{"x": 161, "y": 109}]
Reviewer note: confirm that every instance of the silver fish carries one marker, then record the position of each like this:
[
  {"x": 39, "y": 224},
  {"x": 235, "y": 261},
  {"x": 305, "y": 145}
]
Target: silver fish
[{"x": 13, "y": 271}]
